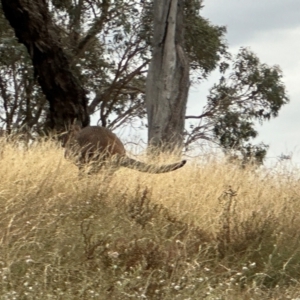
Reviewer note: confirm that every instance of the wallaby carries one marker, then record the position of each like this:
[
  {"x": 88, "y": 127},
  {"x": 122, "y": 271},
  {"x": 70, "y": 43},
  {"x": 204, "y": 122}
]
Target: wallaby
[{"x": 98, "y": 145}]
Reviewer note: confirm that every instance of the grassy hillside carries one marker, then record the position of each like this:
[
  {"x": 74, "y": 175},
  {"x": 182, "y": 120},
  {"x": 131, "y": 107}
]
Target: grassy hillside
[{"x": 206, "y": 231}]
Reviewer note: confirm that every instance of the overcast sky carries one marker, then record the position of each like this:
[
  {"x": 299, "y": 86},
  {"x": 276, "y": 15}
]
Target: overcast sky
[{"x": 271, "y": 29}]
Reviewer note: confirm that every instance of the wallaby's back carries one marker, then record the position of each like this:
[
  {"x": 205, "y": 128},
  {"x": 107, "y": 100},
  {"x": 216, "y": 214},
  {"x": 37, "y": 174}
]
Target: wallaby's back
[
  {"x": 94, "y": 143},
  {"x": 95, "y": 139}
]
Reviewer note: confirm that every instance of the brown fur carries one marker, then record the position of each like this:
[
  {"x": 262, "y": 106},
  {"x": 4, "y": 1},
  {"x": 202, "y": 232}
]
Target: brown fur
[{"x": 98, "y": 145}]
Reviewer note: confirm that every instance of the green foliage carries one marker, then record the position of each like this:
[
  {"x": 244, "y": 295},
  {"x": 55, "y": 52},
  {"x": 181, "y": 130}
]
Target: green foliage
[
  {"x": 252, "y": 92},
  {"x": 109, "y": 46},
  {"x": 205, "y": 43}
]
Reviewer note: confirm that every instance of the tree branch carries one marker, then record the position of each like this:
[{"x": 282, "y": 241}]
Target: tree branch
[{"x": 206, "y": 114}]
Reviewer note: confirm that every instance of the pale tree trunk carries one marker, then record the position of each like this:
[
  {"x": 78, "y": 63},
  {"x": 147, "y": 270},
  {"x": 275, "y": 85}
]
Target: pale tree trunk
[{"x": 168, "y": 78}]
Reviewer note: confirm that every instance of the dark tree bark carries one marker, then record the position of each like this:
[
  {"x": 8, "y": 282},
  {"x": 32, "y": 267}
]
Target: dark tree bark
[
  {"x": 33, "y": 27},
  {"x": 168, "y": 77}
]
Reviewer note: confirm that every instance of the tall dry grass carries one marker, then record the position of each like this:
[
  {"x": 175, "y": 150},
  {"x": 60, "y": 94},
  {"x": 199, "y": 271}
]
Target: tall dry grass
[{"x": 207, "y": 231}]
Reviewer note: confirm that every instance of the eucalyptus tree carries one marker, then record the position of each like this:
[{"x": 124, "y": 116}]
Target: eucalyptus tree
[
  {"x": 22, "y": 104},
  {"x": 105, "y": 48},
  {"x": 34, "y": 28},
  {"x": 248, "y": 93},
  {"x": 108, "y": 47},
  {"x": 168, "y": 77},
  {"x": 103, "y": 53}
]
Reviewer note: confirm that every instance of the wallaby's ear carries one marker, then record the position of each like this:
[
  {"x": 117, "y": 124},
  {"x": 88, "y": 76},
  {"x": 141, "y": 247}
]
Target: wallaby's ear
[{"x": 74, "y": 128}]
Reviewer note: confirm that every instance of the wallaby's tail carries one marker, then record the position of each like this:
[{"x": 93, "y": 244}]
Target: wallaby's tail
[{"x": 148, "y": 168}]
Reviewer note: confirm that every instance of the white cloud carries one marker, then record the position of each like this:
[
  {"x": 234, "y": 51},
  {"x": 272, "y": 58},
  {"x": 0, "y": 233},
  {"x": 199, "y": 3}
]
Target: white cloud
[{"x": 244, "y": 18}]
